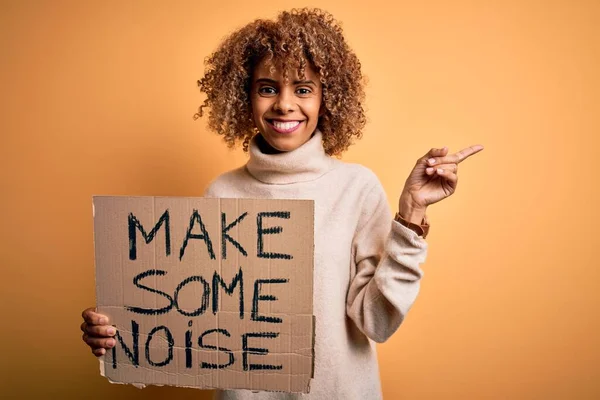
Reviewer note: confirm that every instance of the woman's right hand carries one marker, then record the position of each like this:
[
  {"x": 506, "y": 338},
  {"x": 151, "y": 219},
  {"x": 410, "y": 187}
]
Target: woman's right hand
[{"x": 97, "y": 333}]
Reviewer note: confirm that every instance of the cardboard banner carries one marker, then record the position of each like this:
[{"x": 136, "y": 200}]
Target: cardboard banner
[{"x": 207, "y": 293}]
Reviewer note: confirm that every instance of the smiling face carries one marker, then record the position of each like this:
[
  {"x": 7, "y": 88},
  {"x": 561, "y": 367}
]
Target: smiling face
[{"x": 285, "y": 113}]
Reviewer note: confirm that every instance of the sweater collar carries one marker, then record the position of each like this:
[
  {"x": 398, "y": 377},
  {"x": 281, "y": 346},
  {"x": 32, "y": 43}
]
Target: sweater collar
[{"x": 306, "y": 163}]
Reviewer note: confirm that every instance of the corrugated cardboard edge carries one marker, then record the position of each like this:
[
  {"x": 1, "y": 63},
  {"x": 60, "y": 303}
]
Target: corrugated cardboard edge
[
  {"x": 314, "y": 324},
  {"x": 101, "y": 358},
  {"x": 312, "y": 373}
]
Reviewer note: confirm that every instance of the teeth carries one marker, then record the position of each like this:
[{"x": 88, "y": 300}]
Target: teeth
[{"x": 285, "y": 125}]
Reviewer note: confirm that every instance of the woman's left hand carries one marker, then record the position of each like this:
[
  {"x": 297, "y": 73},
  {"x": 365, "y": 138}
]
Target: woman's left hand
[{"x": 430, "y": 182}]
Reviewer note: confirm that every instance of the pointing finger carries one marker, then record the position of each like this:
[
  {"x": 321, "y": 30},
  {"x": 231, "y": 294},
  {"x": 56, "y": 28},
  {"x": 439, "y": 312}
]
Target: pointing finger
[
  {"x": 467, "y": 152},
  {"x": 456, "y": 157}
]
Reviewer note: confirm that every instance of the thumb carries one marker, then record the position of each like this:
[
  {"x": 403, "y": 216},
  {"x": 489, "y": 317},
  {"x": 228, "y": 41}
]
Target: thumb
[{"x": 436, "y": 152}]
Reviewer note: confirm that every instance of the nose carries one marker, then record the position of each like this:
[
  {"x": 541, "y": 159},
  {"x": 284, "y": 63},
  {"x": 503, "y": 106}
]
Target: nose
[{"x": 284, "y": 102}]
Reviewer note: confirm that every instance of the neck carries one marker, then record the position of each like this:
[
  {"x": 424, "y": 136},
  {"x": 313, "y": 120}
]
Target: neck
[
  {"x": 266, "y": 148},
  {"x": 305, "y": 163}
]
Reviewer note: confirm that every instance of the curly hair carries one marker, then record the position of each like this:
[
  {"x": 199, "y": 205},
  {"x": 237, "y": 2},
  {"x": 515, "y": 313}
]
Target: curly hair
[{"x": 295, "y": 38}]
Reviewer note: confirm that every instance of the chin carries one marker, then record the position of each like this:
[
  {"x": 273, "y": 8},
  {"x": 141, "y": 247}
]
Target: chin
[{"x": 285, "y": 145}]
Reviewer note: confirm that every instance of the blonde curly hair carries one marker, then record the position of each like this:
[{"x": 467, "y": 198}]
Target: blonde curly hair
[{"x": 295, "y": 38}]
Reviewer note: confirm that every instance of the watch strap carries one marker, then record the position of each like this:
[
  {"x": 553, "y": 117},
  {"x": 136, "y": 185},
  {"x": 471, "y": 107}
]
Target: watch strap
[{"x": 421, "y": 230}]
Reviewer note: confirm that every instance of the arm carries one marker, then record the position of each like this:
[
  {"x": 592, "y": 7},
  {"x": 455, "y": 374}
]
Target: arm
[{"x": 386, "y": 258}]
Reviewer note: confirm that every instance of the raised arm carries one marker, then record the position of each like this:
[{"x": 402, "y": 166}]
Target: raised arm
[{"x": 386, "y": 269}]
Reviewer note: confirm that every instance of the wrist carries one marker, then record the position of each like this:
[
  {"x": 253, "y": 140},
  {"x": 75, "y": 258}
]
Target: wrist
[{"x": 410, "y": 211}]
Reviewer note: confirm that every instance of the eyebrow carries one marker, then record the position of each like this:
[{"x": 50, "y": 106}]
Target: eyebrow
[{"x": 268, "y": 80}]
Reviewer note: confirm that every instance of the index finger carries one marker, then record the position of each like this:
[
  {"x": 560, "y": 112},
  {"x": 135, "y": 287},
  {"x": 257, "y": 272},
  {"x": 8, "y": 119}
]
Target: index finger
[
  {"x": 467, "y": 152},
  {"x": 92, "y": 317}
]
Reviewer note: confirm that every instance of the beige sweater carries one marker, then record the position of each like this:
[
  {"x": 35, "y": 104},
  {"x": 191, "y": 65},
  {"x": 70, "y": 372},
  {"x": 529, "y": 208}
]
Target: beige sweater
[{"x": 367, "y": 266}]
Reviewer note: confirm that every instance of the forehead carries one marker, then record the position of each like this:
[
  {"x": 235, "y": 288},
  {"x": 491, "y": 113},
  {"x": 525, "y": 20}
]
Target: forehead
[{"x": 263, "y": 70}]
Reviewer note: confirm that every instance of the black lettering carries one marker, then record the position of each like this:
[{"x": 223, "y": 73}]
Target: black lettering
[
  {"x": 170, "y": 342},
  {"x": 205, "y": 296},
  {"x": 228, "y": 289},
  {"x": 225, "y": 237},
  {"x": 223, "y": 349},
  {"x": 264, "y": 297},
  {"x": 135, "y": 223},
  {"x": 132, "y": 354},
  {"x": 150, "y": 311},
  {"x": 188, "y": 346},
  {"x": 257, "y": 351},
  {"x": 204, "y": 236},
  {"x": 270, "y": 231}
]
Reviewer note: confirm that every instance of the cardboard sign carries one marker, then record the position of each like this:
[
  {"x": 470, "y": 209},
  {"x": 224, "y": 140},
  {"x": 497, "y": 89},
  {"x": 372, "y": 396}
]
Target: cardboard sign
[{"x": 207, "y": 293}]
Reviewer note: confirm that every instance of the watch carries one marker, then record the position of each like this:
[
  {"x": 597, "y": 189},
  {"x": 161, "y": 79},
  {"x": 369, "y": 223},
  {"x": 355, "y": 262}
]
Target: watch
[{"x": 421, "y": 230}]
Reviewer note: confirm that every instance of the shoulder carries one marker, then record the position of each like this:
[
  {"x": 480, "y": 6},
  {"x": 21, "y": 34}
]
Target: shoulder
[
  {"x": 372, "y": 201},
  {"x": 227, "y": 183},
  {"x": 360, "y": 177},
  {"x": 363, "y": 186}
]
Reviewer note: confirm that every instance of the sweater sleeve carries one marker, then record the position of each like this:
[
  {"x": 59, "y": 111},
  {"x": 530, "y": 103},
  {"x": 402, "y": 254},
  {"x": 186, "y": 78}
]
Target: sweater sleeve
[{"x": 386, "y": 258}]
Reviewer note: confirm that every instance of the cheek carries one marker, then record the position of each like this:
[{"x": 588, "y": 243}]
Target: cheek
[
  {"x": 256, "y": 110},
  {"x": 313, "y": 110},
  {"x": 259, "y": 106}
]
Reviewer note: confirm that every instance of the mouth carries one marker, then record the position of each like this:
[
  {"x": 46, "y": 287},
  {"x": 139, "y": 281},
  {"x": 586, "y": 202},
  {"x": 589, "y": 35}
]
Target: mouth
[{"x": 284, "y": 126}]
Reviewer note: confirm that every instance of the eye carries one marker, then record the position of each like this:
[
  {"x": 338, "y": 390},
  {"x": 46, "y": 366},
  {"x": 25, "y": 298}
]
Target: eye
[
  {"x": 267, "y": 90},
  {"x": 304, "y": 91}
]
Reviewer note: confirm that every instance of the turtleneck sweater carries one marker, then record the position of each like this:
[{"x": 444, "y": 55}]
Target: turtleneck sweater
[{"x": 366, "y": 264}]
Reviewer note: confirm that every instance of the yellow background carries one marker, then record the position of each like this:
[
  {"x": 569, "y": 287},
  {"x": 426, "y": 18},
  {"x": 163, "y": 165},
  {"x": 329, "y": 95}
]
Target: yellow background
[{"x": 98, "y": 97}]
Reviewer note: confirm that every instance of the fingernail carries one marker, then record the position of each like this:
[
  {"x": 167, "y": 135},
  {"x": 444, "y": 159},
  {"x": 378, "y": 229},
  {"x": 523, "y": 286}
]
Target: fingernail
[
  {"x": 103, "y": 321},
  {"x": 102, "y": 351},
  {"x": 429, "y": 170},
  {"x": 431, "y": 161},
  {"x": 111, "y": 331},
  {"x": 440, "y": 171},
  {"x": 110, "y": 343}
]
